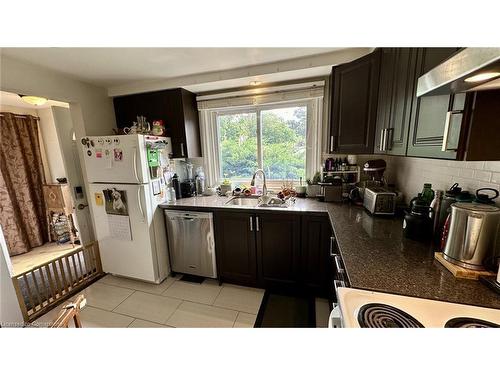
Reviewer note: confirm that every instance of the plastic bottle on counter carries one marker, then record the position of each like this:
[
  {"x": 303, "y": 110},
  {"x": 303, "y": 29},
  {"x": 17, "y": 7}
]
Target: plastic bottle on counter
[
  {"x": 200, "y": 181},
  {"x": 170, "y": 192},
  {"x": 427, "y": 194}
]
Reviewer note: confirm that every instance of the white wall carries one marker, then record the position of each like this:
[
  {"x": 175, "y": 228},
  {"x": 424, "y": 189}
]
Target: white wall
[
  {"x": 18, "y": 110},
  {"x": 91, "y": 102},
  {"x": 51, "y": 144},
  {"x": 10, "y": 312},
  {"x": 410, "y": 174},
  {"x": 70, "y": 150}
]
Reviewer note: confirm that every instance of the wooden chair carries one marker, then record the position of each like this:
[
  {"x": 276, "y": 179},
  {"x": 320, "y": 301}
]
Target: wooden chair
[{"x": 70, "y": 311}]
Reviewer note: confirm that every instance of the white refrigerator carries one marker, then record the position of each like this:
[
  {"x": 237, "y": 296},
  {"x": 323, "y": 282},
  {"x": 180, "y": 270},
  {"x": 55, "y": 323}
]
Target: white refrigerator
[{"x": 127, "y": 183}]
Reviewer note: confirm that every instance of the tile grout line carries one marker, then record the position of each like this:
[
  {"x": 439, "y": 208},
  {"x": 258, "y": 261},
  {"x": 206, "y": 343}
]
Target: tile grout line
[
  {"x": 235, "y": 319},
  {"x": 218, "y": 294},
  {"x": 131, "y": 322},
  {"x": 173, "y": 312},
  {"x": 131, "y": 294},
  {"x": 113, "y": 312}
]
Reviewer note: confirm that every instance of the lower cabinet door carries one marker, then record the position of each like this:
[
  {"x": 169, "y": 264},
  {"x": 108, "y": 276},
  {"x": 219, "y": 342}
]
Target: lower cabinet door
[
  {"x": 278, "y": 249},
  {"x": 235, "y": 247},
  {"x": 315, "y": 261}
]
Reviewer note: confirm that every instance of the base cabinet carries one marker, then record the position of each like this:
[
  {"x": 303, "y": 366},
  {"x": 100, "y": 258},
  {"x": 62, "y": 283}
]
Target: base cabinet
[
  {"x": 235, "y": 248},
  {"x": 274, "y": 250},
  {"x": 315, "y": 257},
  {"x": 278, "y": 249}
]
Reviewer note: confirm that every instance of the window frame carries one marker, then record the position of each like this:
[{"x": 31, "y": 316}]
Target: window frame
[{"x": 257, "y": 109}]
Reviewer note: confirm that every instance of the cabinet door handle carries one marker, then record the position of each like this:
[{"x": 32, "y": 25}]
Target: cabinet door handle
[
  {"x": 382, "y": 140},
  {"x": 389, "y": 139},
  {"x": 135, "y": 165},
  {"x": 257, "y": 223},
  {"x": 446, "y": 134},
  {"x": 331, "y": 143},
  {"x": 139, "y": 202},
  {"x": 338, "y": 265},
  {"x": 182, "y": 149},
  {"x": 332, "y": 242},
  {"x": 251, "y": 224}
]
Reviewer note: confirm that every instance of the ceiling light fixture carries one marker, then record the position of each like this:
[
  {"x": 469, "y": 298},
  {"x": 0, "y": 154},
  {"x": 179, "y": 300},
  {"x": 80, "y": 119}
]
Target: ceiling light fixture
[
  {"x": 33, "y": 100},
  {"x": 255, "y": 83},
  {"x": 482, "y": 77}
]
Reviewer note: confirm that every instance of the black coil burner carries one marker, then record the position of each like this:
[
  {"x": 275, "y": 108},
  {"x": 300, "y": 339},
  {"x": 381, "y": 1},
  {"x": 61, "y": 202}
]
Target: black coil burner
[
  {"x": 378, "y": 315},
  {"x": 469, "y": 323}
]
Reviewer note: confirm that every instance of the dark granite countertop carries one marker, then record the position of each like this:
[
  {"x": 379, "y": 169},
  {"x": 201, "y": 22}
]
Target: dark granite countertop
[{"x": 376, "y": 255}]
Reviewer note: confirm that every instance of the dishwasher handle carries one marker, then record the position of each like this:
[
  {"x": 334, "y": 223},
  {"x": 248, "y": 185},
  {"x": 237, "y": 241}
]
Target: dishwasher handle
[{"x": 187, "y": 216}]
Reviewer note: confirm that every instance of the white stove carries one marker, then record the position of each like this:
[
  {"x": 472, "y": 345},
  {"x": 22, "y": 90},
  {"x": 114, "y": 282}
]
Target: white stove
[{"x": 362, "y": 308}]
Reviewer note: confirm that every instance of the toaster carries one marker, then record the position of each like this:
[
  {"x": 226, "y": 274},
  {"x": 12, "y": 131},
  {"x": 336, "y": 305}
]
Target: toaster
[{"x": 379, "y": 201}]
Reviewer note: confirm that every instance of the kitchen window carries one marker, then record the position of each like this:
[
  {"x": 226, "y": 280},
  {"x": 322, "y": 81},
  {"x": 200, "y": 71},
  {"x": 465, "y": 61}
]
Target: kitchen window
[
  {"x": 272, "y": 138},
  {"x": 279, "y": 132}
]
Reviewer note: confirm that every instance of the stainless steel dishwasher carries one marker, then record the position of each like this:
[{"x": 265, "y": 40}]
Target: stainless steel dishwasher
[{"x": 191, "y": 242}]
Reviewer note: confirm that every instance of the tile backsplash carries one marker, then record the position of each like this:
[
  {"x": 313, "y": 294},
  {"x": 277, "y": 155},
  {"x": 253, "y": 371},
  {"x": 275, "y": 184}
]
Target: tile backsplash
[{"x": 409, "y": 174}]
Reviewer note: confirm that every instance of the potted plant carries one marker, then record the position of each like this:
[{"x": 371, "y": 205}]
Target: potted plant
[{"x": 313, "y": 189}]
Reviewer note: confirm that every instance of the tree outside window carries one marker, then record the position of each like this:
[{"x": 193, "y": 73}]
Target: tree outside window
[{"x": 273, "y": 139}]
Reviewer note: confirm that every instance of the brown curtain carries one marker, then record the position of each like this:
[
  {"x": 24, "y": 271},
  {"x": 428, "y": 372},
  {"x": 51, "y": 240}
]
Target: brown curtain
[{"x": 22, "y": 210}]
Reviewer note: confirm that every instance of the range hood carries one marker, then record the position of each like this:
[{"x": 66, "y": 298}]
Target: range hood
[{"x": 470, "y": 69}]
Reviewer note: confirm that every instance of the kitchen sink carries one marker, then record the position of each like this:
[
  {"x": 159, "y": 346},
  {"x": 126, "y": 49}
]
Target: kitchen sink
[
  {"x": 255, "y": 202},
  {"x": 243, "y": 201}
]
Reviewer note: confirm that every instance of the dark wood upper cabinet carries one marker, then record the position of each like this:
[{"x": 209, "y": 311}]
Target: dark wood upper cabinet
[
  {"x": 278, "y": 249},
  {"x": 461, "y": 126},
  {"x": 176, "y": 107},
  {"x": 429, "y": 115},
  {"x": 396, "y": 91},
  {"x": 354, "y": 105},
  {"x": 236, "y": 248},
  {"x": 479, "y": 139},
  {"x": 315, "y": 259}
]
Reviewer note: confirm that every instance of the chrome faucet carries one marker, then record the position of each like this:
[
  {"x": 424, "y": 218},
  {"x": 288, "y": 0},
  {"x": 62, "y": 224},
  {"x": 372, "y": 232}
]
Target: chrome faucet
[{"x": 264, "y": 188}]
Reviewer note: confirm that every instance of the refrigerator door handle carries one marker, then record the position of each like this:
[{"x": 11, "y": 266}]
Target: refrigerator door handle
[
  {"x": 139, "y": 202},
  {"x": 135, "y": 165}
]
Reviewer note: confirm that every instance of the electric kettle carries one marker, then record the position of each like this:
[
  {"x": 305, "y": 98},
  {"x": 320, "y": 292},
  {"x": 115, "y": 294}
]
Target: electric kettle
[{"x": 473, "y": 232}]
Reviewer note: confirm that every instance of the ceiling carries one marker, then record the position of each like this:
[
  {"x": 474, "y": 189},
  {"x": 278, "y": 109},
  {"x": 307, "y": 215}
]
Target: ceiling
[
  {"x": 14, "y": 100},
  {"x": 108, "y": 67}
]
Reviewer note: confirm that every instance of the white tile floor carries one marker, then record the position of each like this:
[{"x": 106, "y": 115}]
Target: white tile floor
[{"x": 119, "y": 302}]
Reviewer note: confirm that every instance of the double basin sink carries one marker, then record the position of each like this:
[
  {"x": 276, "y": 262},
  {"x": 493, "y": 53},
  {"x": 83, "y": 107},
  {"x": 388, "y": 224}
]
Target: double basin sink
[{"x": 255, "y": 201}]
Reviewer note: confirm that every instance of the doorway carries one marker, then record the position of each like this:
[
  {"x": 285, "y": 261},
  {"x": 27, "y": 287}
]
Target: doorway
[{"x": 58, "y": 151}]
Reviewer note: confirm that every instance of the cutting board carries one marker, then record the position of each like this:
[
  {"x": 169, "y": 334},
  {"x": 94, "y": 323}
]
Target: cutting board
[{"x": 460, "y": 272}]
